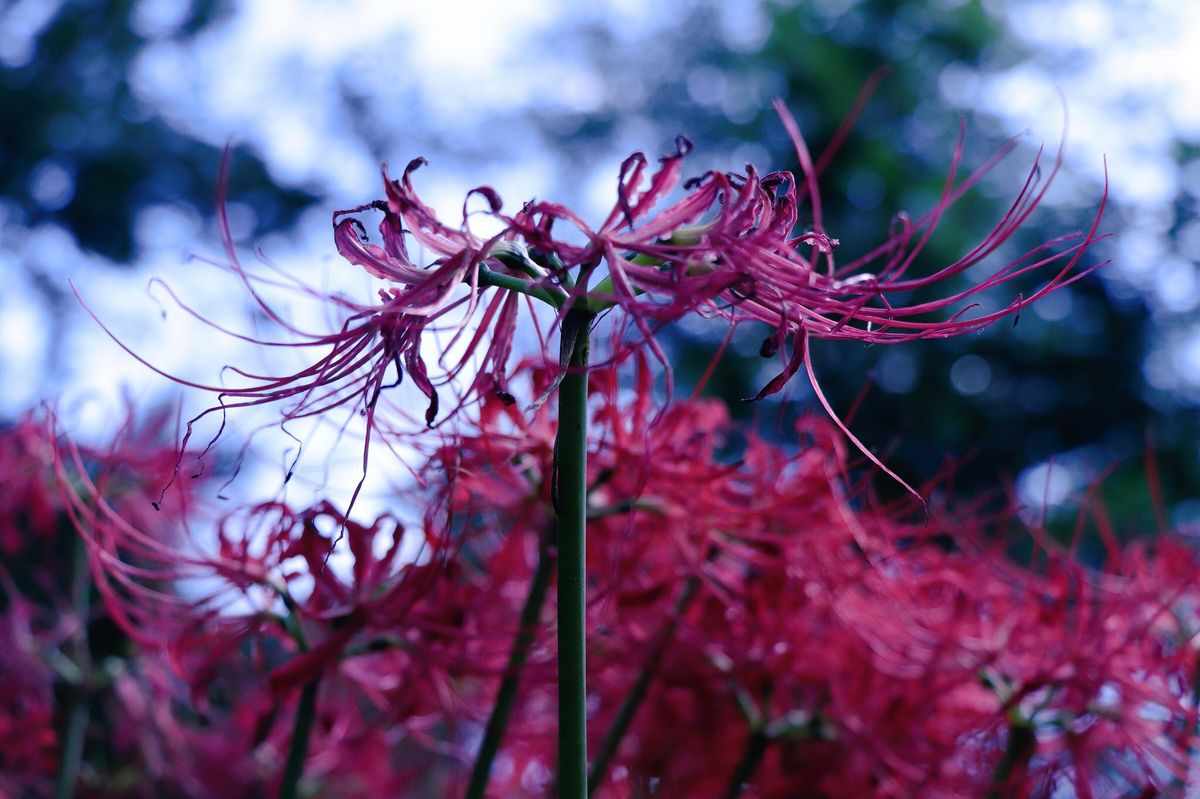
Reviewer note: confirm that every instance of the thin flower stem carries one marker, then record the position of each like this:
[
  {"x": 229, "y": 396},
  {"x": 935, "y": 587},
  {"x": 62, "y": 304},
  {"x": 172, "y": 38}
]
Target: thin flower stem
[
  {"x": 293, "y": 768},
  {"x": 291, "y": 622},
  {"x": 756, "y": 747},
  {"x": 517, "y": 258},
  {"x": 72, "y": 748},
  {"x": 553, "y": 298},
  {"x": 552, "y": 262},
  {"x": 506, "y": 696},
  {"x": 306, "y": 710},
  {"x": 1022, "y": 744},
  {"x": 637, "y": 693},
  {"x": 570, "y": 493},
  {"x": 71, "y": 756}
]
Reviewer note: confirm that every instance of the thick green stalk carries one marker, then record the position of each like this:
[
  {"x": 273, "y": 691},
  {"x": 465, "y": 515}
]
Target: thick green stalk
[
  {"x": 570, "y": 492},
  {"x": 507, "y": 695}
]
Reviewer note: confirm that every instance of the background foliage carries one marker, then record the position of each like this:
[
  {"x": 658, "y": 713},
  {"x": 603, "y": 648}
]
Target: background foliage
[{"x": 89, "y": 152}]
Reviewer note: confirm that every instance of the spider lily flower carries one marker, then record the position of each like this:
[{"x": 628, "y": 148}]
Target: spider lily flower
[
  {"x": 875, "y": 655},
  {"x": 380, "y": 344},
  {"x": 879, "y": 662},
  {"x": 202, "y": 600},
  {"x": 400, "y": 632},
  {"x": 29, "y": 741},
  {"x": 397, "y": 604},
  {"x": 746, "y": 247},
  {"x": 51, "y": 638},
  {"x": 761, "y": 605},
  {"x": 729, "y": 247},
  {"x": 729, "y": 243}
]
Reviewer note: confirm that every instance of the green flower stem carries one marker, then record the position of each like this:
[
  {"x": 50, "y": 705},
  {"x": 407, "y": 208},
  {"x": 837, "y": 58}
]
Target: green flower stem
[
  {"x": 306, "y": 710},
  {"x": 72, "y": 747},
  {"x": 507, "y": 695},
  {"x": 71, "y": 756},
  {"x": 1022, "y": 744},
  {"x": 293, "y": 768},
  {"x": 683, "y": 237},
  {"x": 570, "y": 493},
  {"x": 637, "y": 693},
  {"x": 756, "y": 747},
  {"x": 516, "y": 257},
  {"x": 555, "y": 298}
]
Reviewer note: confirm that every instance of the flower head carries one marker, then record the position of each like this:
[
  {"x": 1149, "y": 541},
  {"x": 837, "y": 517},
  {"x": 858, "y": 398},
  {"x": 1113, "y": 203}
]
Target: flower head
[
  {"x": 732, "y": 246},
  {"x": 746, "y": 247}
]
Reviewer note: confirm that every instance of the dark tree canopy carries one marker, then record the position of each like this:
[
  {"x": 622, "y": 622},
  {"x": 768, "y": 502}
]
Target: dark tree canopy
[{"x": 83, "y": 151}]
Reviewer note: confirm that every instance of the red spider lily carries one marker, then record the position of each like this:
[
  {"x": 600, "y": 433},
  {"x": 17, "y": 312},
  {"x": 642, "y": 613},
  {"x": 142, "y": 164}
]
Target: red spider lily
[
  {"x": 31, "y": 506},
  {"x": 695, "y": 524},
  {"x": 403, "y": 629},
  {"x": 29, "y": 741},
  {"x": 727, "y": 248},
  {"x": 36, "y": 612},
  {"x": 375, "y": 339},
  {"x": 245, "y": 729},
  {"x": 53, "y": 639},
  {"x": 878, "y": 670},
  {"x": 758, "y": 606},
  {"x": 28, "y": 506},
  {"x": 205, "y": 600},
  {"x": 780, "y": 629},
  {"x": 730, "y": 247}
]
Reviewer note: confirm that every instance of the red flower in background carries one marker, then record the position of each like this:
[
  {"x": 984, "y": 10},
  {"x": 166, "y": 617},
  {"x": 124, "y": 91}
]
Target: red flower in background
[
  {"x": 29, "y": 741},
  {"x": 757, "y": 619},
  {"x": 398, "y": 635},
  {"x": 772, "y": 625},
  {"x": 56, "y": 643}
]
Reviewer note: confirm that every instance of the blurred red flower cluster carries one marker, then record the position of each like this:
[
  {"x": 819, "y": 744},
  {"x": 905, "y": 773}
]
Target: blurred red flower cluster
[{"x": 760, "y": 627}]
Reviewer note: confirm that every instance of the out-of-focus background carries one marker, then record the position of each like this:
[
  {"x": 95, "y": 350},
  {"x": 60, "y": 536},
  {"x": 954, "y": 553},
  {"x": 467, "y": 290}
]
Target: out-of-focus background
[{"x": 113, "y": 116}]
